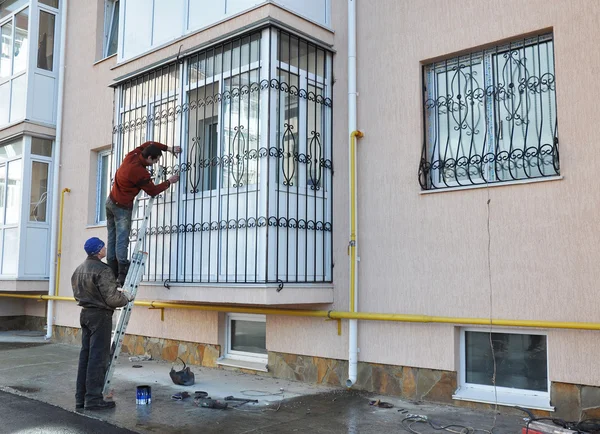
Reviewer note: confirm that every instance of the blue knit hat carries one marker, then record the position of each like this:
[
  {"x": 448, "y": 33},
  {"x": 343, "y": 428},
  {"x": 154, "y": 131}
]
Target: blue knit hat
[{"x": 93, "y": 246}]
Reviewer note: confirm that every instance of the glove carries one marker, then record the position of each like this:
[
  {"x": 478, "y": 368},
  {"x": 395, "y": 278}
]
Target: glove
[{"x": 128, "y": 295}]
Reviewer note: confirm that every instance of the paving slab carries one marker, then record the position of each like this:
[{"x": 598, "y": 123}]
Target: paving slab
[{"x": 33, "y": 368}]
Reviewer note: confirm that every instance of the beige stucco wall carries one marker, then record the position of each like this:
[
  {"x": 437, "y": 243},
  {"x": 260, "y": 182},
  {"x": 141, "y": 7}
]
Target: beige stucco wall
[
  {"x": 419, "y": 254},
  {"x": 427, "y": 254}
]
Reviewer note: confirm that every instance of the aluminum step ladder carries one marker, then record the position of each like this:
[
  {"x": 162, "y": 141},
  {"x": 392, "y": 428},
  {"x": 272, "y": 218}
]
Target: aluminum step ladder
[{"x": 132, "y": 280}]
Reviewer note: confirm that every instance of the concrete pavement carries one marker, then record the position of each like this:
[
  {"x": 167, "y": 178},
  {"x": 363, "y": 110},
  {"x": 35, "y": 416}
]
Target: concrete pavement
[{"x": 32, "y": 368}]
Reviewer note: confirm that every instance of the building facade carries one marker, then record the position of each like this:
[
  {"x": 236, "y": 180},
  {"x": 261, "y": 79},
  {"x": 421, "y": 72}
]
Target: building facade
[{"x": 469, "y": 205}]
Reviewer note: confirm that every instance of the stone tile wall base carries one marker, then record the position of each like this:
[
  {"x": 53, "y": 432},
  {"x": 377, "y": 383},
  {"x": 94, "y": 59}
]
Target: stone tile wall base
[
  {"x": 192, "y": 353},
  {"x": 572, "y": 402},
  {"x": 22, "y": 322}
]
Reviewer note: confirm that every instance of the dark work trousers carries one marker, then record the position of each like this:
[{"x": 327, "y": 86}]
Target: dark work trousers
[{"x": 96, "y": 328}]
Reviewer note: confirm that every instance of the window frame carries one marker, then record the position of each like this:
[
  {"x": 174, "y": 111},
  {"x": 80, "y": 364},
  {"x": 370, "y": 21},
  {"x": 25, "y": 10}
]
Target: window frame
[
  {"x": 109, "y": 17},
  {"x": 100, "y": 202},
  {"x": 497, "y": 394},
  {"x": 54, "y": 12},
  {"x": 494, "y": 90},
  {"x": 12, "y": 76},
  {"x": 243, "y": 355}
]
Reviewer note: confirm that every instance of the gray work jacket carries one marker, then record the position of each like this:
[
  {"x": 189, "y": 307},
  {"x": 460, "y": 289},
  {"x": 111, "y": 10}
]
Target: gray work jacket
[{"x": 94, "y": 285}]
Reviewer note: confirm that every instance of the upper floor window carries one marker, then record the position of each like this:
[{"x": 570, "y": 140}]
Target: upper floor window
[
  {"x": 103, "y": 184},
  {"x": 14, "y": 44},
  {"x": 147, "y": 24},
  {"x": 111, "y": 27},
  {"x": 490, "y": 116},
  {"x": 15, "y": 31}
]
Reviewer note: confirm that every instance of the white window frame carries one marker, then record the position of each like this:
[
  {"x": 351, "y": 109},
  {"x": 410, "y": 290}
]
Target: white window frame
[
  {"x": 243, "y": 355},
  {"x": 12, "y": 76},
  {"x": 507, "y": 396},
  {"x": 109, "y": 16},
  {"x": 35, "y": 158},
  {"x": 100, "y": 201},
  {"x": 488, "y": 127},
  {"x": 55, "y": 49}
]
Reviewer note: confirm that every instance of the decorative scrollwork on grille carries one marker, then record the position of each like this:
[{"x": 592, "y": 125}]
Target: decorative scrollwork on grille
[{"x": 290, "y": 156}]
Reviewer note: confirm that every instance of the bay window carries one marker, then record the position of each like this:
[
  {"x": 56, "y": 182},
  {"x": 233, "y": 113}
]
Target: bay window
[{"x": 253, "y": 117}]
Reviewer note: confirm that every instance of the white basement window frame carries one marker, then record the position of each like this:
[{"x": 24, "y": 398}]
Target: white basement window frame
[
  {"x": 507, "y": 396},
  {"x": 243, "y": 359}
]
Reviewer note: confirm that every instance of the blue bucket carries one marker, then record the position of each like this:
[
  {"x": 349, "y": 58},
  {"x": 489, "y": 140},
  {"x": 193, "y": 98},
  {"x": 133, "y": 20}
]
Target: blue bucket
[{"x": 144, "y": 395}]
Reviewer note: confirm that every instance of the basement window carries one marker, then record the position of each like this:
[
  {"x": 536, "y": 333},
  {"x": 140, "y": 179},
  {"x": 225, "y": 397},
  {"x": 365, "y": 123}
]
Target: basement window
[
  {"x": 245, "y": 346},
  {"x": 517, "y": 360}
]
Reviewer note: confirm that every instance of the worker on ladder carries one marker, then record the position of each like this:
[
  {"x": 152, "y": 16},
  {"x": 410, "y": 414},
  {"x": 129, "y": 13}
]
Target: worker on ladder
[{"x": 131, "y": 177}]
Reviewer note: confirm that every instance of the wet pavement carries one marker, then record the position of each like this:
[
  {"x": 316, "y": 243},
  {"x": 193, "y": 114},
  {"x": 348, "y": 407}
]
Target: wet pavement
[
  {"x": 30, "y": 368},
  {"x": 23, "y": 415}
]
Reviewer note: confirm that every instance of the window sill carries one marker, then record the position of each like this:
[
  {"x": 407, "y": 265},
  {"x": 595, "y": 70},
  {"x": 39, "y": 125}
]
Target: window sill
[
  {"x": 511, "y": 398},
  {"x": 496, "y": 184},
  {"x": 96, "y": 225},
  {"x": 243, "y": 364},
  {"x": 104, "y": 59}
]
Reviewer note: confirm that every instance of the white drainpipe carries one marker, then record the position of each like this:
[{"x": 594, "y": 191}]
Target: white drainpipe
[
  {"x": 56, "y": 168},
  {"x": 352, "y": 324}
]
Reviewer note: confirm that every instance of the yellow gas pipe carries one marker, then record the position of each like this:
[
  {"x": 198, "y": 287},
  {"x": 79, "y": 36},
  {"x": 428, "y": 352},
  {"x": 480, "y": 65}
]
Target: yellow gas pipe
[
  {"x": 60, "y": 231},
  {"x": 352, "y": 245},
  {"x": 366, "y": 316}
]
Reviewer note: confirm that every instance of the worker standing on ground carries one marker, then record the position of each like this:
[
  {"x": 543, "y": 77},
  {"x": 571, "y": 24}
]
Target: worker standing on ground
[
  {"x": 95, "y": 289},
  {"x": 131, "y": 177}
]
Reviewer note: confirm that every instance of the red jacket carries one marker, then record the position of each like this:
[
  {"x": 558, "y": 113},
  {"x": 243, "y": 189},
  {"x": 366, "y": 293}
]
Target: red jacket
[{"x": 132, "y": 176}]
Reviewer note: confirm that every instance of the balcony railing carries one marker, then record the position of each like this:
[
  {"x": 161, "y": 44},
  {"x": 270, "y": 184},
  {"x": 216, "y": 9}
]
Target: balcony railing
[{"x": 254, "y": 201}]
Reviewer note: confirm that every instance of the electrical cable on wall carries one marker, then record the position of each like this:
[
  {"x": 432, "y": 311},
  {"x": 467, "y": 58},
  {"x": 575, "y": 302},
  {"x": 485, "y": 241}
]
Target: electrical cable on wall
[{"x": 489, "y": 263}]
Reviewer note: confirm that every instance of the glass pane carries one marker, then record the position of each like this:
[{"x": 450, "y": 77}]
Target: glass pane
[
  {"x": 104, "y": 185},
  {"x": 240, "y": 129},
  {"x": 9, "y": 6},
  {"x": 249, "y": 336},
  {"x": 39, "y": 191},
  {"x": 203, "y": 130},
  {"x": 21, "y": 41},
  {"x": 6, "y": 53},
  {"x": 113, "y": 35},
  {"x": 46, "y": 41},
  {"x": 2, "y": 191},
  {"x": 9, "y": 259},
  {"x": 521, "y": 360},
  {"x": 287, "y": 128},
  {"x": 51, "y": 3},
  {"x": 11, "y": 150},
  {"x": 314, "y": 138},
  {"x": 18, "y": 98},
  {"x": 41, "y": 147},
  {"x": 4, "y": 108},
  {"x": 13, "y": 197}
]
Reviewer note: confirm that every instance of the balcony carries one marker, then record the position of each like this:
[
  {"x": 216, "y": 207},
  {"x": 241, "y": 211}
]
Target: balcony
[{"x": 253, "y": 207}]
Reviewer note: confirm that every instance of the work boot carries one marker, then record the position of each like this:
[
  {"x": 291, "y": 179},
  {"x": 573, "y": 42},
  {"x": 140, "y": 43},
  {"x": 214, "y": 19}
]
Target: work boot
[
  {"x": 101, "y": 405},
  {"x": 114, "y": 266},
  {"x": 123, "y": 269}
]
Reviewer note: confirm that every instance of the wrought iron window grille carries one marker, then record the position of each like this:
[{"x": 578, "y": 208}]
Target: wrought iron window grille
[
  {"x": 490, "y": 116},
  {"x": 254, "y": 202}
]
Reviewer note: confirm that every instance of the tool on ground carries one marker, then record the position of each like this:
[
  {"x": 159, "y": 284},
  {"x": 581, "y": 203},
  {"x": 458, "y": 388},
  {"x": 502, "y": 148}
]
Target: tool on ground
[
  {"x": 180, "y": 396},
  {"x": 210, "y": 403},
  {"x": 132, "y": 281},
  {"x": 185, "y": 377},
  {"x": 231, "y": 398}
]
